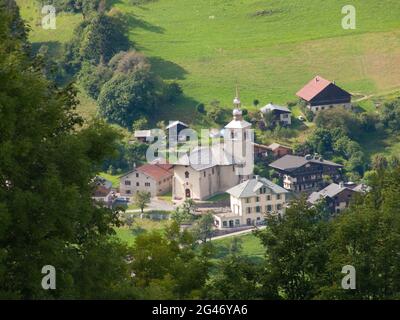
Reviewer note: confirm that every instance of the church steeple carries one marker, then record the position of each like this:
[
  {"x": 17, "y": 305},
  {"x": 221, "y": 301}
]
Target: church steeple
[{"x": 237, "y": 113}]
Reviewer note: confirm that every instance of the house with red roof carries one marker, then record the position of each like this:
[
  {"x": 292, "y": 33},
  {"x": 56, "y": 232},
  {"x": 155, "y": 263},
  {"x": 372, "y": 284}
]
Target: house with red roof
[
  {"x": 321, "y": 94},
  {"x": 155, "y": 178}
]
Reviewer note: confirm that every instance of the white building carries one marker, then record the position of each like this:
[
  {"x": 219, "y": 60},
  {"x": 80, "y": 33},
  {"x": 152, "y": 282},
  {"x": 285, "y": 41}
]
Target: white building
[{"x": 250, "y": 201}]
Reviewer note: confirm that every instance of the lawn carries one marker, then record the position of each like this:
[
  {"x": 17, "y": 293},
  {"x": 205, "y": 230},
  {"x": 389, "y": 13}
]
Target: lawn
[
  {"x": 251, "y": 246},
  {"x": 112, "y": 178},
  {"x": 140, "y": 226},
  {"x": 219, "y": 197}
]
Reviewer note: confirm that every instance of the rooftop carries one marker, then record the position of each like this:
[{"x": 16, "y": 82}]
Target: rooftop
[
  {"x": 334, "y": 189},
  {"x": 250, "y": 187},
  {"x": 313, "y": 88},
  {"x": 175, "y": 123},
  {"x": 291, "y": 162},
  {"x": 201, "y": 158},
  {"x": 272, "y": 107},
  {"x": 142, "y": 133},
  {"x": 156, "y": 171}
]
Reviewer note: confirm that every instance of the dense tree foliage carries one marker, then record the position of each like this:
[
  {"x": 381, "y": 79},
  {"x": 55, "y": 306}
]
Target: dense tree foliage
[{"x": 47, "y": 165}]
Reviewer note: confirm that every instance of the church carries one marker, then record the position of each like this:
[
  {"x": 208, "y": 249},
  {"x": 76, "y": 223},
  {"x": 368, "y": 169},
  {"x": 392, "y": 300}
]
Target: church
[{"x": 209, "y": 170}]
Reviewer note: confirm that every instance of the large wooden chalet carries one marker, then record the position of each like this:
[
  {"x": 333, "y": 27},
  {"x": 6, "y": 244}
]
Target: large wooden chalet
[
  {"x": 321, "y": 94},
  {"x": 305, "y": 174}
]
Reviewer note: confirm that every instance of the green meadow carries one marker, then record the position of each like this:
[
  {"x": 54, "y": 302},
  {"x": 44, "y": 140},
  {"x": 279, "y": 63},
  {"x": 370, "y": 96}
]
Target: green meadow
[{"x": 268, "y": 48}]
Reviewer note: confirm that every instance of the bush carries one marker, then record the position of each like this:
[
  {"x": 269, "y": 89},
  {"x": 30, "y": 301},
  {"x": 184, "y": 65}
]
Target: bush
[
  {"x": 92, "y": 78},
  {"x": 201, "y": 108}
]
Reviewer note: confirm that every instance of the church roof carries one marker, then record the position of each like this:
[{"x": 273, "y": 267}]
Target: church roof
[
  {"x": 201, "y": 158},
  {"x": 238, "y": 124},
  {"x": 250, "y": 187}
]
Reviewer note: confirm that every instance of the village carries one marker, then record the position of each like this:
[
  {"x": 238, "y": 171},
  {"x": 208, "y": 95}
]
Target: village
[{"x": 212, "y": 176}]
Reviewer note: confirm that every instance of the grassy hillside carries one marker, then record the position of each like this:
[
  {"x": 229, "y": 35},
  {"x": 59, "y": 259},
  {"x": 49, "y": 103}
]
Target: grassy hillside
[{"x": 270, "y": 48}]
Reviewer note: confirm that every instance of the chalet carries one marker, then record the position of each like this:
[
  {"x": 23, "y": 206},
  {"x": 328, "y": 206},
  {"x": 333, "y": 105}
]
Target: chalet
[
  {"x": 305, "y": 174},
  {"x": 154, "y": 178},
  {"x": 279, "y": 150},
  {"x": 142, "y": 135},
  {"x": 321, "y": 94},
  {"x": 250, "y": 201},
  {"x": 275, "y": 150},
  {"x": 281, "y": 115},
  {"x": 174, "y": 129},
  {"x": 337, "y": 196}
]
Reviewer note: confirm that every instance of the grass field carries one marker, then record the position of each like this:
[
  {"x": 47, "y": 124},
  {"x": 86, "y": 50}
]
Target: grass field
[
  {"x": 269, "y": 48},
  {"x": 251, "y": 245},
  {"x": 209, "y": 46}
]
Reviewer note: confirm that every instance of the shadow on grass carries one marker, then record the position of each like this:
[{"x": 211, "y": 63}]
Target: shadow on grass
[
  {"x": 167, "y": 70},
  {"x": 133, "y": 21}
]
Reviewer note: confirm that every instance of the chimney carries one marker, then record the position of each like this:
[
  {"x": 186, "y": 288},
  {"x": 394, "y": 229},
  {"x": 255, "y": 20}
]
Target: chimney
[{"x": 341, "y": 184}]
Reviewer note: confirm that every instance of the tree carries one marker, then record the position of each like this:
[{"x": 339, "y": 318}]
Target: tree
[
  {"x": 140, "y": 124},
  {"x": 129, "y": 61},
  {"x": 367, "y": 238},
  {"x": 96, "y": 40},
  {"x": 296, "y": 254},
  {"x": 126, "y": 97},
  {"x": 236, "y": 277},
  {"x": 47, "y": 165},
  {"x": 92, "y": 78},
  {"x": 204, "y": 226},
  {"x": 167, "y": 266},
  {"x": 142, "y": 199}
]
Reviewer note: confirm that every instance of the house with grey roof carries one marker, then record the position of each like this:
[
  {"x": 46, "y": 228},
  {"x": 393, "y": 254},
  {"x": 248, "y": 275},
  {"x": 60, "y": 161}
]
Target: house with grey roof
[
  {"x": 281, "y": 114},
  {"x": 305, "y": 174},
  {"x": 337, "y": 197},
  {"x": 251, "y": 201}
]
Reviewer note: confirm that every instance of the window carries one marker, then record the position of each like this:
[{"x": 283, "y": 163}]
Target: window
[
  {"x": 237, "y": 222},
  {"x": 278, "y": 207},
  {"x": 137, "y": 175},
  {"x": 204, "y": 174},
  {"x": 278, "y": 196},
  {"x": 257, "y": 199},
  {"x": 258, "y": 218},
  {"x": 212, "y": 170},
  {"x": 248, "y": 210},
  {"x": 147, "y": 184},
  {"x": 137, "y": 184},
  {"x": 258, "y": 209},
  {"x": 128, "y": 191},
  {"x": 268, "y": 197},
  {"x": 232, "y": 135},
  {"x": 187, "y": 175},
  {"x": 269, "y": 208},
  {"x": 247, "y": 200},
  {"x": 225, "y": 224},
  {"x": 127, "y": 183}
]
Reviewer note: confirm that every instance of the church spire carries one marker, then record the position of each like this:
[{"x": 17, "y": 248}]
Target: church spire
[{"x": 236, "y": 101}]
